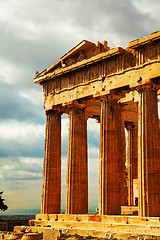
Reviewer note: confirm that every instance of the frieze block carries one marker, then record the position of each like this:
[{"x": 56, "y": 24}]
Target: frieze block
[
  {"x": 130, "y": 58},
  {"x": 111, "y": 67},
  {"x": 152, "y": 52}
]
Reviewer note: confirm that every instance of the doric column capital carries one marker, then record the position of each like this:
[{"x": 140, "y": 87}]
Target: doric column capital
[
  {"x": 147, "y": 88},
  {"x": 55, "y": 111},
  {"x": 77, "y": 110},
  {"x": 110, "y": 97},
  {"x": 51, "y": 112},
  {"x": 77, "y": 105}
]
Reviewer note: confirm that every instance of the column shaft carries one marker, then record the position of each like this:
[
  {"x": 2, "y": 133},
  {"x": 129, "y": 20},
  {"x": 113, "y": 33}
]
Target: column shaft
[
  {"x": 123, "y": 169},
  {"x": 77, "y": 164},
  {"x": 148, "y": 155},
  {"x": 110, "y": 181},
  {"x": 51, "y": 186},
  {"x": 132, "y": 163}
]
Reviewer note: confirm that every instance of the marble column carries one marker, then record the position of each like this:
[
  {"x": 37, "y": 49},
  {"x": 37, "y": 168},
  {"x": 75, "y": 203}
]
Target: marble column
[
  {"x": 111, "y": 142},
  {"x": 51, "y": 186},
  {"x": 132, "y": 158},
  {"x": 148, "y": 154},
  {"x": 77, "y": 164},
  {"x": 123, "y": 169}
]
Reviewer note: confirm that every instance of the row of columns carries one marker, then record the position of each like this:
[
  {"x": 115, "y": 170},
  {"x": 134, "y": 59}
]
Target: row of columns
[{"x": 112, "y": 182}]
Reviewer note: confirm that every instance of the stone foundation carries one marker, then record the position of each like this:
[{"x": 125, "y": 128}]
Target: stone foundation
[{"x": 91, "y": 226}]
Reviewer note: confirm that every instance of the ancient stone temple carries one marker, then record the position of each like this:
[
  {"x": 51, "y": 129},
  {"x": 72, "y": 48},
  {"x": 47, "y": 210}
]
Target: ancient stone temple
[{"x": 119, "y": 88}]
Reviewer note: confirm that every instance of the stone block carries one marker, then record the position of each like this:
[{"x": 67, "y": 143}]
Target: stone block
[
  {"x": 31, "y": 236},
  {"x": 51, "y": 234},
  {"x": 70, "y": 231},
  {"x": 1, "y": 235},
  {"x": 67, "y": 217},
  {"x": 115, "y": 219},
  {"x": 83, "y": 232},
  {"x": 95, "y": 218},
  {"x": 7, "y": 235},
  {"x": 95, "y": 233},
  {"x": 83, "y": 218},
  {"x": 42, "y": 216},
  {"x": 53, "y": 217}
]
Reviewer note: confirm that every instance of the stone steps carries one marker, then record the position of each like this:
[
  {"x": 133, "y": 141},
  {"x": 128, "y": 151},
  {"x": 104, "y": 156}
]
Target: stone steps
[
  {"x": 142, "y": 226},
  {"x": 129, "y": 227},
  {"x": 107, "y": 234},
  {"x": 106, "y": 226},
  {"x": 97, "y": 218}
]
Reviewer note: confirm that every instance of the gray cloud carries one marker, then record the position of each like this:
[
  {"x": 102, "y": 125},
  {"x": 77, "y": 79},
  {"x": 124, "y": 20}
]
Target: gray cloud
[
  {"x": 11, "y": 148},
  {"x": 34, "y": 35},
  {"x": 16, "y": 168},
  {"x": 15, "y": 106}
]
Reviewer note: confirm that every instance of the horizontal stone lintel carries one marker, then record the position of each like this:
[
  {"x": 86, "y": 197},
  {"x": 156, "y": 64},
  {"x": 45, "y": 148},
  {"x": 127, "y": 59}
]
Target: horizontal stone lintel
[{"x": 118, "y": 83}]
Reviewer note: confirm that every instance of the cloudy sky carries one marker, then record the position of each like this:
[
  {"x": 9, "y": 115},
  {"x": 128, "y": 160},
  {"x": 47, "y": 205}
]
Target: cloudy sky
[{"x": 34, "y": 35}]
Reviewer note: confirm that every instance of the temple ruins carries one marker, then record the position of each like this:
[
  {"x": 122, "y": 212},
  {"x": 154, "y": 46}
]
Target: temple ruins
[{"x": 119, "y": 88}]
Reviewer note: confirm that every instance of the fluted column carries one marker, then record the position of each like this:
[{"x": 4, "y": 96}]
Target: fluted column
[
  {"x": 51, "y": 187},
  {"x": 111, "y": 142},
  {"x": 148, "y": 154},
  {"x": 123, "y": 169},
  {"x": 132, "y": 158},
  {"x": 77, "y": 164}
]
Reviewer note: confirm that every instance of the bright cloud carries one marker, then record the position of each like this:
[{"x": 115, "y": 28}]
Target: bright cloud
[
  {"x": 21, "y": 132},
  {"x": 34, "y": 35}
]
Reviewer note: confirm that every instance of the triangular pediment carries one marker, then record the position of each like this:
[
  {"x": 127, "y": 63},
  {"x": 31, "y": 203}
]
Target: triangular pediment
[
  {"x": 82, "y": 46},
  {"x": 84, "y": 50}
]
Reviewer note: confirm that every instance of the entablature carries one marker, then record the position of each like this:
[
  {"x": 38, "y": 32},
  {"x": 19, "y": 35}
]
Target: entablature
[{"x": 94, "y": 70}]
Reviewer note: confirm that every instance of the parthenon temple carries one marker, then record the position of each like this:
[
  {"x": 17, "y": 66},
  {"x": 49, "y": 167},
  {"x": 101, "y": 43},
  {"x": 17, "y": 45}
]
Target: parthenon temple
[{"x": 119, "y": 88}]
